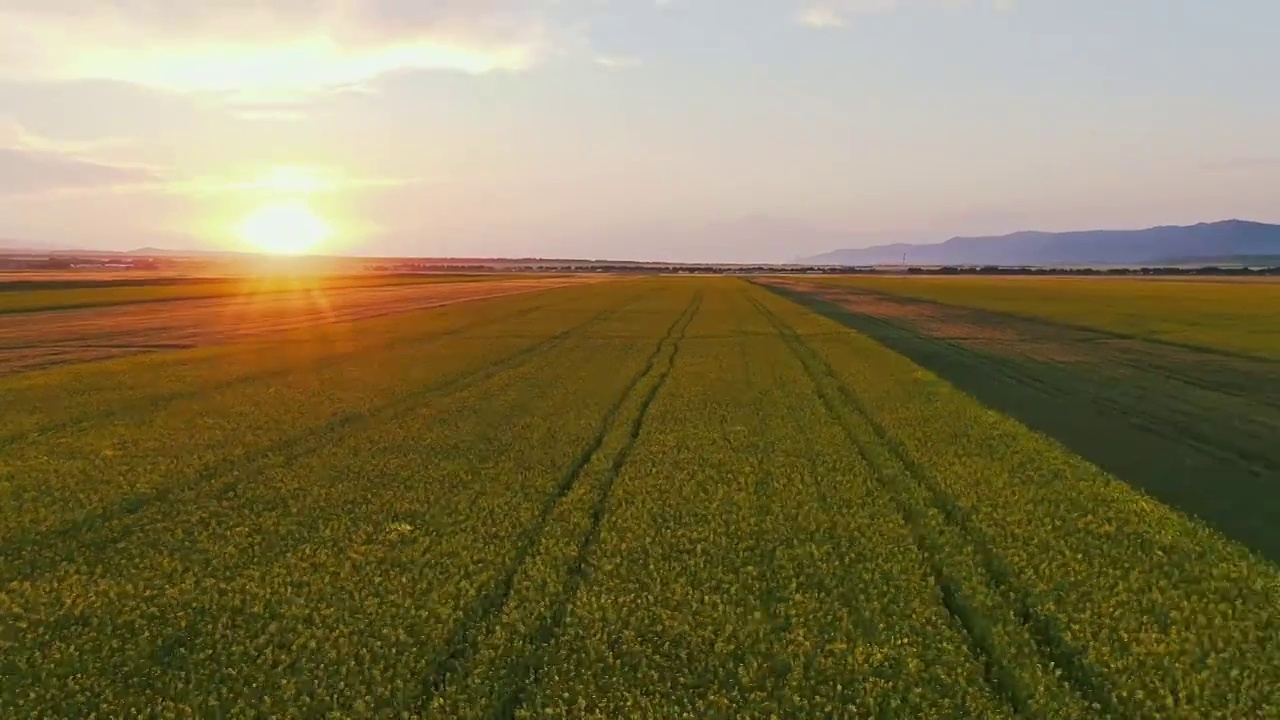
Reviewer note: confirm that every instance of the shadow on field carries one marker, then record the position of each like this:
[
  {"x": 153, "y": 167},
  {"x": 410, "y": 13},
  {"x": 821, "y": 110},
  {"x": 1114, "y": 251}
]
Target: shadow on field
[{"x": 1196, "y": 429}]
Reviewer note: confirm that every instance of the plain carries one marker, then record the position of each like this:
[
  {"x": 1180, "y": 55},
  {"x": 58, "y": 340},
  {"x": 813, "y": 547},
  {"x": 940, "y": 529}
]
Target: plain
[{"x": 659, "y": 497}]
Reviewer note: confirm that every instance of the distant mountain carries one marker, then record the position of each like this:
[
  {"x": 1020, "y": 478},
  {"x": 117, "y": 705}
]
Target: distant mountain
[{"x": 1153, "y": 246}]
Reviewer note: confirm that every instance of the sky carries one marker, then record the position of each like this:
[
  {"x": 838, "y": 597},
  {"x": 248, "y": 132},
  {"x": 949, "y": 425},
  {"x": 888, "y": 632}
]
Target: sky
[{"x": 689, "y": 130}]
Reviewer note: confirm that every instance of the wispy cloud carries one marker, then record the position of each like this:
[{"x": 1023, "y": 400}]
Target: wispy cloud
[
  {"x": 619, "y": 61},
  {"x": 829, "y": 14},
  {"x": 266, "y": 49},
  {"x": 14, "y": 136},
  {"x": 31, "y": 165},
  {"x": 287, "y": 180},
  {"x": 821, "y": 17}
]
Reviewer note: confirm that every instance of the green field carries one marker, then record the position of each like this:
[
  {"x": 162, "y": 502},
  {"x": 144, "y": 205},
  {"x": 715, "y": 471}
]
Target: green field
[
  {"x": 1224, "y": 314},
  {"x": 649, "y": 498},
  {"x": 20, "y": 296},
  {"x": 1194, "y": 426}
]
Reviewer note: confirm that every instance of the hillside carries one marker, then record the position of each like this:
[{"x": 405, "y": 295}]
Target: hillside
[{"x": 1220, "y": 241}]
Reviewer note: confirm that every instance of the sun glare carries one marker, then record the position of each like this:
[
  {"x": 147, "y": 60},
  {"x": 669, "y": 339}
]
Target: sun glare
[{"x": 284, "y": 228}]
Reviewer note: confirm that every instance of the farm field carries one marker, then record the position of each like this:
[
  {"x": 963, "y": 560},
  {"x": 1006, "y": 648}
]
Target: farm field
[
  {"x": 31, "y": 292},
  {"x": 650, "y": 498},
  {"x": 1224, "y": 314},
  {"x": 1193, "y": 425},
  {"x": 172, "y": 318}
]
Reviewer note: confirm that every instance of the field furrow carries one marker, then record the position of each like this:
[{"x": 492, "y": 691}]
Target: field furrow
[
  {"x": 317, "y": 499},
  {"x": 506, "y": 657},
  {"x": 705, "y": 594},
  {"x": 1018, "y": 668},
  {"x": 24, "y": 486}
]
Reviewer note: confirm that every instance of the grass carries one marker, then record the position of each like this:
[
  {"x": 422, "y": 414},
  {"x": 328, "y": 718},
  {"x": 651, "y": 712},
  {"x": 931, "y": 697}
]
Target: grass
[
  {"x": 1228, "y": 316},
  {"x": 669, "y": 497}
]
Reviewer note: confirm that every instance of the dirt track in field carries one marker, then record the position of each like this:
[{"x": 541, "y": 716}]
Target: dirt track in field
[{"x": 40, "y": 339}]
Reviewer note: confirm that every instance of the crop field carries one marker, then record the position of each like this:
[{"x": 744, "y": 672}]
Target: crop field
[
  {"x": 1234, "y": 315},
  {"x": 167, "y": 317},
  {"x": 1193, "y": 423},
  {"x": 22, "y": 293},
  {"x": 638, "y": 498}
]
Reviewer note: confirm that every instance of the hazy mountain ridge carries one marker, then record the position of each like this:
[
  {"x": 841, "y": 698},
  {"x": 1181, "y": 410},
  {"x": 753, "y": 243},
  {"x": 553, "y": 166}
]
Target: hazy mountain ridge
[{"x": 1163, "y": 244}]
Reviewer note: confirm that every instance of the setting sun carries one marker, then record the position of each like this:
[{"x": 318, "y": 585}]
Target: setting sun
[{"x": 284, "y": 228}]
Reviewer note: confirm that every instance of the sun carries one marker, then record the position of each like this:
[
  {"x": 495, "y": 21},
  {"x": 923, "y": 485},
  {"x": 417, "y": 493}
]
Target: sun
[{"x": 284, "y": 228}]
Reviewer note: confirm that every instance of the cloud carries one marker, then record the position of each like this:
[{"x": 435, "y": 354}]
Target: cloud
[
  {"x": 270, "y": 48},
  {"x": 619, "y": 61},
  {"x": 31, "y": 165},
  {"x": 286, "y": 180},
  {"x": 16, "y": 137},
  {"x": 28, "y": 172},
  {"x": 821, "y": 17},
  {"x": 836, "y": 13}
]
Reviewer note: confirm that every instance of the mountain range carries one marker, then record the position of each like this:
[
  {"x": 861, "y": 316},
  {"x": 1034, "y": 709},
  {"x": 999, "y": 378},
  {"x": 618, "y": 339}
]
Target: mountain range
[{"x": 1217, "y": 242}]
